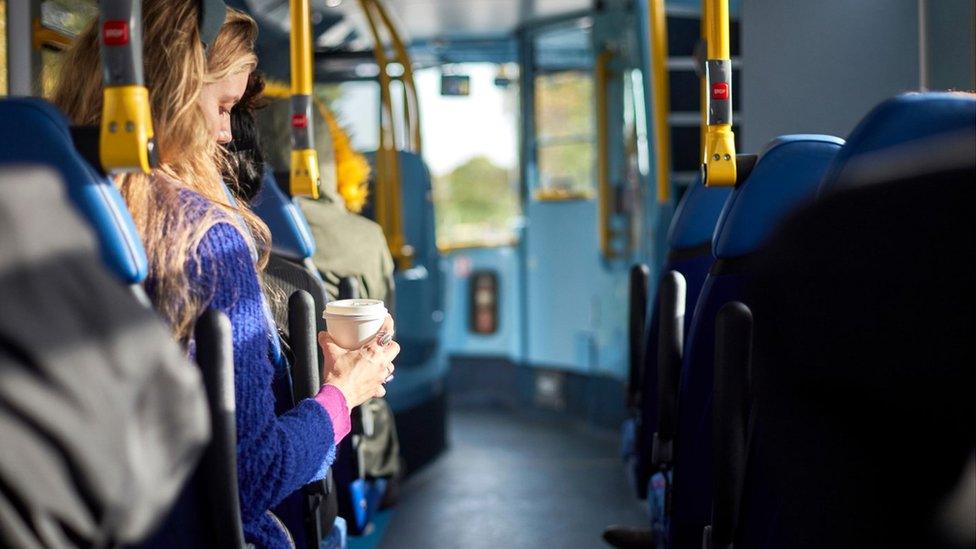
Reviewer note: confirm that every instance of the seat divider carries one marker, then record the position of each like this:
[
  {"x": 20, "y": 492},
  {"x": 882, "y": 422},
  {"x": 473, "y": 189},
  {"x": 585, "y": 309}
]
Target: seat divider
[
  {"x": 730, "y": 420},
  {"x": 670, "y": 353}
]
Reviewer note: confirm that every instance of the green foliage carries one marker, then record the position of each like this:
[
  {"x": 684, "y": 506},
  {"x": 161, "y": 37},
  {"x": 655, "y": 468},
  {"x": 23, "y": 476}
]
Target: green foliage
[
  {"x": 565, "y": 127},
  {"x": 564, "y": 104},
  {"x": 476, "y": 202}
]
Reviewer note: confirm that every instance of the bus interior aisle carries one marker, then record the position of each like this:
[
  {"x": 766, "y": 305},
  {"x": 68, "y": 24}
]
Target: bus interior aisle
[{"x": 511, "y": 479}]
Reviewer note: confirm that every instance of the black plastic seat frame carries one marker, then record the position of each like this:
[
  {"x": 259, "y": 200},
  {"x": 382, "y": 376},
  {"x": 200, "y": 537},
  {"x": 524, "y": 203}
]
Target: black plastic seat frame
[{"x": 218, "y": 468}]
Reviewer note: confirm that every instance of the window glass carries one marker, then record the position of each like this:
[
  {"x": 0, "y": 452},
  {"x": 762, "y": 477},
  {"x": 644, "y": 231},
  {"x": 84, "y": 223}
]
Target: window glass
[
  {"x": 471, "y": 147},
  {"x": 67, "y": 18},
  {"x": 357, "y": 108},
  {"x": 564, "y": 111},
  {"x": 565, "y": 144}
]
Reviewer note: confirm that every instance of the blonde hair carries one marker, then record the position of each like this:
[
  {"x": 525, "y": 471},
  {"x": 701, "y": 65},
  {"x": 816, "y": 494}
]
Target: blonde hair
[{"x": 176, "y": 69}]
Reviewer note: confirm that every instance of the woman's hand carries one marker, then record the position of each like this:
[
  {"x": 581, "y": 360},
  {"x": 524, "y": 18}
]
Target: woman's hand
[{"x": 359, "y": 375}]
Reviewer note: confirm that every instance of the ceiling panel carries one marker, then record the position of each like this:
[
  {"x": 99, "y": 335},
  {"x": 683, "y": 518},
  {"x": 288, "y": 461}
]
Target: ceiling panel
[{"x": 427, "y": 19}]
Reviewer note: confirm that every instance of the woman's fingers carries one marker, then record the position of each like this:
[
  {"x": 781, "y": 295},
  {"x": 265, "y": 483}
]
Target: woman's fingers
[
  {"x": 329, "y": 347},
  {"x": 387, "y": 324},
  {"x": 390, "y": 351}
]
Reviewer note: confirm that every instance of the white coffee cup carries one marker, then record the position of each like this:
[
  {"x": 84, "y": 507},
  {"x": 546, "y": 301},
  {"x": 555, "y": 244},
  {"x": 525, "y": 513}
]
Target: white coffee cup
[{"x": 352, "y": 322}]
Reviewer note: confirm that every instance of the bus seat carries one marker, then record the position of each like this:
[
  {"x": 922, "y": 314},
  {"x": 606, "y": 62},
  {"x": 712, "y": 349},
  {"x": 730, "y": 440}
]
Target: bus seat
[
  {"x": 900, "y": 121},
  {"x": 290, "y": 266},
  {"x": 416, "y": 182},
  {"x": 785, "y": 177},
  {"x": 100, "y": 412},
  {"x": 291, "y": 236},
  {"x": 690, "y": 254},
  {"x": 906, "y": 128},
  {"x": 863, "y": 383},
  {"x": 35, "y": 131},
  {"x": 218, "y": 468},
  {"x": 419, "y": 289}
]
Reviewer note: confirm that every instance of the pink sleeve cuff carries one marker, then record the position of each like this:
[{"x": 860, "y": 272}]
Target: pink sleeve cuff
[{"x": 334, "y": 403}]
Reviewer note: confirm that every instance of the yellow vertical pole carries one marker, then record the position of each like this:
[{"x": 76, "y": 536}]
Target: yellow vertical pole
[
  {"x": 388, "y": 203},
  {"x": 304, "y": 178},
  {"x": 662, "y": 97},
  {"x": 719, "y": 161},
  {"x": 412, "y": 103}
]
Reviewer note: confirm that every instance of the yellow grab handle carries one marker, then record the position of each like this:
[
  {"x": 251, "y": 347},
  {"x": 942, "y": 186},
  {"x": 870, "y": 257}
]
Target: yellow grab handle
[
  {"x": 304, "y": 180},
  {"x": 719, "y": 154},
  {"x": 126, "y": 142},
  {"x": 720, "y": 169}
]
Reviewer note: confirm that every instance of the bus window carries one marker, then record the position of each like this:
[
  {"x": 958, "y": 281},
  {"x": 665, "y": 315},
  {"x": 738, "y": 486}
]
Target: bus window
[
  {"x": 3, "y": 47},
  {"x": 67, "y": 18},
  {"x": 565, "y": 149},
  {"x": 471, "y": 147},
  {"x": 564, "y": 112},
  {"x": 355, "y": 106}
]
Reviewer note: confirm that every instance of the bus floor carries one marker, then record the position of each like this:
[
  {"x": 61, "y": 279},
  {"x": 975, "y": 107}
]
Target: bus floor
[{"x": 511, "y": 480}]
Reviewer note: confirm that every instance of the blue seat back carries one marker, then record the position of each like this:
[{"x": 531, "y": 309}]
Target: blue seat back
[
  {"x": 291, "y": 236},
  {"x": 694, "y": 219},
  {"x": 785, "y": 178},
  {"x": 420, "y": 289},
  {"x": 789, "y": 173},
  {"x": 689, "y": 243},
  {"x": 34, "y": 131},
  {"x": 899, "y": 121}
]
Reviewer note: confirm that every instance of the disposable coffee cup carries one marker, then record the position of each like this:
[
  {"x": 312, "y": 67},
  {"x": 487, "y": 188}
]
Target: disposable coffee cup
[{"x": 352, "y": 322}]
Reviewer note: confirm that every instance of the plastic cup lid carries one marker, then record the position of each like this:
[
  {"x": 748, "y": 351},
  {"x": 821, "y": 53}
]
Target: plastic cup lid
[{"x": 356, "y": 307}]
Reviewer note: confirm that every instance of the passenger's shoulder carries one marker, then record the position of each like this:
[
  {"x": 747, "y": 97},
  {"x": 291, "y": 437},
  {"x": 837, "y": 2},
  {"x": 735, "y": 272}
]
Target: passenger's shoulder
[{"x": 365, "y": 224}]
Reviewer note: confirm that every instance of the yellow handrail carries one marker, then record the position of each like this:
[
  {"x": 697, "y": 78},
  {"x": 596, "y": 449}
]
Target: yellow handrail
[
  {"x": 719, "y": 161},
  {"x": 412, "y": 102},
  {"x": 605, "y": 193},
  {"x": 662, "y": 98},
  {"x": 304, "y": 174},
  {"x": 387, "y": 192}
]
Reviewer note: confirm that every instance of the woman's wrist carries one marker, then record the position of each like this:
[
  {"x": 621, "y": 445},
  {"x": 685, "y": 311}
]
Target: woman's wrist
[{"x": 335, "y": 404}]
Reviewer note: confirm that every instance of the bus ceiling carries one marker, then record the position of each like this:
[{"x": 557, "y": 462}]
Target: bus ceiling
[{"x": 437, "y": 31}]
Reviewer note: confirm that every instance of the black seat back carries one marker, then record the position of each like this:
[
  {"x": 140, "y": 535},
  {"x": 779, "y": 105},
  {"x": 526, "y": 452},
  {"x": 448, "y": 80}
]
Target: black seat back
[{"x": 218, "y": 470}]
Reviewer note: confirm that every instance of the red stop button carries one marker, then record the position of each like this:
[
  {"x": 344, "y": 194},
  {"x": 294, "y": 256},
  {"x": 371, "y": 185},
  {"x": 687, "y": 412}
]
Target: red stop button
[
  {"x": 115, "y": 33},
  {"x": 720, "y": 91},
  {"x": 299, "y": 121}
]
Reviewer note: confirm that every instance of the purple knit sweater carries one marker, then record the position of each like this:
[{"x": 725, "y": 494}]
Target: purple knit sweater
[{"x": 276, "y": 455}]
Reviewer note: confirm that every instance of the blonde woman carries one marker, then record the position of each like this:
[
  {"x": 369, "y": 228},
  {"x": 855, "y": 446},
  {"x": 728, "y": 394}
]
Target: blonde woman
[{"x": 207, "y": 252}]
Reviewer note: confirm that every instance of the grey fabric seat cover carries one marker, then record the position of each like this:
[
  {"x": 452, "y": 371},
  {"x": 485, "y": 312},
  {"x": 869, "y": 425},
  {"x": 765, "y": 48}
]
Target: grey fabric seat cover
[{"x": 102, "y": 418}]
